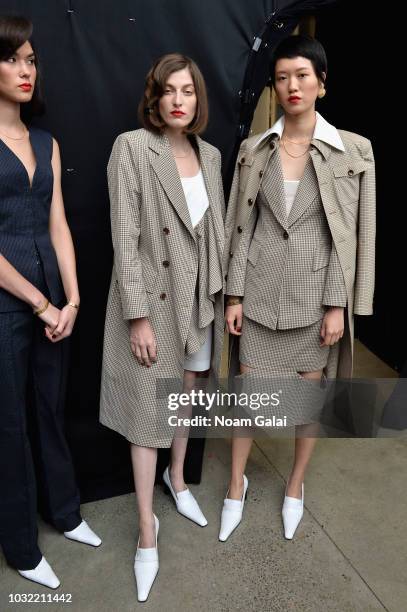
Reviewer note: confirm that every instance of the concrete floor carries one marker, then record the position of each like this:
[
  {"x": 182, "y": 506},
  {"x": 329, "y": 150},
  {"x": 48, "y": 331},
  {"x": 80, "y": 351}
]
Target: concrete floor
[{"x": 349, "y": 553}]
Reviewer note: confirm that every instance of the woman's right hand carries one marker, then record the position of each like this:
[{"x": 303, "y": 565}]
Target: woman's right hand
[
  {"x": 143, "y": 342},
  {"x": 233, "y": 318},
  {"x": 50, "y": 317}
]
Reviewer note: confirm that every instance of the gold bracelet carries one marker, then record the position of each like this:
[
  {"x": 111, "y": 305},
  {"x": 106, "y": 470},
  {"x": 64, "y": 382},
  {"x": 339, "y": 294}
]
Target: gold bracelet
[
  {"x": 42, "y": 309},
  {"x": 73, "y": 305},
  {"x": 233, "y": 301}
]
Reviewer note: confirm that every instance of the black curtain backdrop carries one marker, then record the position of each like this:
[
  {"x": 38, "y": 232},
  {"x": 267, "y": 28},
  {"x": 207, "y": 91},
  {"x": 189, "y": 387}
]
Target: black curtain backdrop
[
  {"x": 94, "y": 57},
  {"x": 358, "y": 100}
]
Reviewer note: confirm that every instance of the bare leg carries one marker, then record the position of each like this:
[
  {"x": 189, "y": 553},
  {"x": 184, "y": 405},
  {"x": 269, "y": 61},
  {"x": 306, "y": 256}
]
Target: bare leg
[
  {"x": 180, "y": 441},
  {"x": 144, "y": 461},
  {"x": 304, "y": 447},
  {"x": 241, "y": 447}
]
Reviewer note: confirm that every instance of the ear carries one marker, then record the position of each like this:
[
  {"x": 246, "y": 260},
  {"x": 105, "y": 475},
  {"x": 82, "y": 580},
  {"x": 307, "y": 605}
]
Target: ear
[{"x": 324, "y": 77}]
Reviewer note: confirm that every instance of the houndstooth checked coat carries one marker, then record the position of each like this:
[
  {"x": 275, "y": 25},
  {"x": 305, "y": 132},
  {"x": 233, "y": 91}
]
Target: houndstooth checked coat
[
  {"x": 344, "y": 181},
  {"x": 155, "y": 272}
]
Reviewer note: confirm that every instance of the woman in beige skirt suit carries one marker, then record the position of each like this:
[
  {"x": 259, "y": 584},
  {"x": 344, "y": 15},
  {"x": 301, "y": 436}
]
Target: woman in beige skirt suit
[
  {"x": 164, "y": 318},
  {"x": 299, "y": 257}
]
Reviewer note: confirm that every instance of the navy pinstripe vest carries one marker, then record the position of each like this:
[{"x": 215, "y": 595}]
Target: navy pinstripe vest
[{"x": 24, "y": 219}]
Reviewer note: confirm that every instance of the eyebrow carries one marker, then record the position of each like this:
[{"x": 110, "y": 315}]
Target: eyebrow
[
  {"x": 187, "y": 85},
  {"x": 26, "y": 56},
  {"x": 284, "y": 71}
]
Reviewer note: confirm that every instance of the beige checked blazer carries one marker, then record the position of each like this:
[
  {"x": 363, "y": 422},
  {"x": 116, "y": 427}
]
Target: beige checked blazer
[
  {"x": 158, "y": 260},
  {"x": 293, "y": 272}
]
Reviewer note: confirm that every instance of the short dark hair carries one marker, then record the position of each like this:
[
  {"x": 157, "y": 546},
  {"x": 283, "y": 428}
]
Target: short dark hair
[
  {"x": 300, "y": 45},
  {"x": 157, "y": 77},
  {"x": 15, "y": 30}
]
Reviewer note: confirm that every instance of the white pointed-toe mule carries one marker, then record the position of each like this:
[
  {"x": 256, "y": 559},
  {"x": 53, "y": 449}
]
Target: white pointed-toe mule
[
  {"x": 185, "y": 502},
  {"x": 232, "y": 512},
  {"x": 146, "y": 566},
  {"x": 43, "y": 574},
  {"x": 83, "y": 533},
  {"x": 292, "y": 512}
]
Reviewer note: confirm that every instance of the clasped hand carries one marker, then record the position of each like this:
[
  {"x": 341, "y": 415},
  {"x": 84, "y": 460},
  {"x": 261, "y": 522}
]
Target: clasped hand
[{"x": 58, "y": 322}]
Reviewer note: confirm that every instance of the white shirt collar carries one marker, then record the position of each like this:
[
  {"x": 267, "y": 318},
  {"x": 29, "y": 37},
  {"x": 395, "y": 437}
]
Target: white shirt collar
[{"x": 323, "y": 131}]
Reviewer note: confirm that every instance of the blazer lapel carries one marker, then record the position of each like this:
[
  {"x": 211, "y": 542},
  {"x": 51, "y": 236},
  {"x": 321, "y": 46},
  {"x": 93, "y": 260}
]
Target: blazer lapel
[
  {"x": 167, "y": 172},
  {"x": 209, "y": 171},
  {"x": 306, "y": 193},
  {"x": 273, "y": 187}
]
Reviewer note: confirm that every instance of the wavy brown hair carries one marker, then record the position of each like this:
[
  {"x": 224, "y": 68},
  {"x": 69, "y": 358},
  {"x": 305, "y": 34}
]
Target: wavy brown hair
[{"x": 156, "y": 80}]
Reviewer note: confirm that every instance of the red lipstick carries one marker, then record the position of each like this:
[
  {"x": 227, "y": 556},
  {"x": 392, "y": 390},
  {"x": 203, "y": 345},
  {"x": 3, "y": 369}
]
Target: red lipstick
[
  {"x": 177, "y": 113},
  {"x": 26, "y": 86}
]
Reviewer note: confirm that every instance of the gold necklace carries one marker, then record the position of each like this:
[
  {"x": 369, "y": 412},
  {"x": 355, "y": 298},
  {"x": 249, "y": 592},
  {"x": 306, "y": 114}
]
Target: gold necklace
[
  {"x": 296, "y": 143},
  {"x": 13, "y": 137},
  {"x": 290, "y": 154}
]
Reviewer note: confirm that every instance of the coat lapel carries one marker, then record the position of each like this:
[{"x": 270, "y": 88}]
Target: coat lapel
[
  {"x": 273, "y": 187},
  {"x": 211, "y": 178},
  {"x": 167, "y": 172}
]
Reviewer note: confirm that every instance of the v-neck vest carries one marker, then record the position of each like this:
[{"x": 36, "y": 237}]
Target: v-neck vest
[{"x": 24, "y": 219}]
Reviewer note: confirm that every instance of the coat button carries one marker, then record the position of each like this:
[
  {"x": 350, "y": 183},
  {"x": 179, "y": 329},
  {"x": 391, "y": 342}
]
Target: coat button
[
  {"x": 166, "y": 230},
  {"x": 261, "y": 173},
  {"x": 166, "y": 263},
  {"x": 272, "y": 145},
  {"x": 250, "y": 201},
  {"x": 239, "y": 229},
  {"x": 230, "y": 254},
  {"x": 226, "y": 277},
  {"x": 163, "y": 296},
  {"x": 350, "y": 172},
  {"x": 285, "y": 235},
  {"x": 242, "y": 161}
]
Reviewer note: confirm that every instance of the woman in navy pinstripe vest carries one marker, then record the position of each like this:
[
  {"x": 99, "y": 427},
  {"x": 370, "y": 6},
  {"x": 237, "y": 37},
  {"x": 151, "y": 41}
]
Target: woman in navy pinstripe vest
[{"x": 36, "y": 250}]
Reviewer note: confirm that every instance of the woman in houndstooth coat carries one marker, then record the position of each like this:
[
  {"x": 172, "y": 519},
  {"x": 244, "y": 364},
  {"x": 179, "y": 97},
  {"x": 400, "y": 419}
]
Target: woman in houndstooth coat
[
  {"x": 164, "y": 316},
  {"x": 299, "y": 260}
]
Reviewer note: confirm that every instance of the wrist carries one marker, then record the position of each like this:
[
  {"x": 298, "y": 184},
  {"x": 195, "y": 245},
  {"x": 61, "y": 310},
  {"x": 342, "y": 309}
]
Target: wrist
[
  {"x": 39, "y": 311},
  {"x": 37, "y": 300},
  {"x": 233, "y": 300}
]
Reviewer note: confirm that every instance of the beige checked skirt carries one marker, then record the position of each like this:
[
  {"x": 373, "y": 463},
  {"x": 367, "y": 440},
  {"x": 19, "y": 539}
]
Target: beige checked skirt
[
  {"x": 278, "y": 357},
  {"x": 282, "y": 350}
]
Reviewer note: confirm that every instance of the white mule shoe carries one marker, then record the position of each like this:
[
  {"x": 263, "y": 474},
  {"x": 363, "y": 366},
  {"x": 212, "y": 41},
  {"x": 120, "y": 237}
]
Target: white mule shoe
[
  {"x": 83, "y": 533},
  {"x": 146, "y": 566},
  {"x": 185, "y": 502},
  {"x": 292, "y": 512},
  {"x": 232, "y": 512},
  {"x": 43, "y": 574}
]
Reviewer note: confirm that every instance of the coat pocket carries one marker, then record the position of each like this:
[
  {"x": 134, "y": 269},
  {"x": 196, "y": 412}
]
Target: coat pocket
[
  {"x": 347, "y": 180},
  {"x": 254, "y": 251},
  {"x": 321, "y": 259},
  {"x": 150, "y": 278}
]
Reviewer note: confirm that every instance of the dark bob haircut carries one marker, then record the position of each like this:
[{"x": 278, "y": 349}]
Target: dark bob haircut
[
  {"x": 148, "y": 111},
  {"x": 14, "y": 32},
  {"x": 300, "y": 46}
]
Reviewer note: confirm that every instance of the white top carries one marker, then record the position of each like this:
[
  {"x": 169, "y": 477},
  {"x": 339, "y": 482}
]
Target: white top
[
  {"x": 196, "y": 196},
  {"x": 290, "y": 190}
]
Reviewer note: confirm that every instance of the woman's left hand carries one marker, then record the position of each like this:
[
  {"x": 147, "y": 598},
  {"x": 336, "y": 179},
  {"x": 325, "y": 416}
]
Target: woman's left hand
[
  {"x": 332, "y": 327},
  {"x": 65, "y": 325}
]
